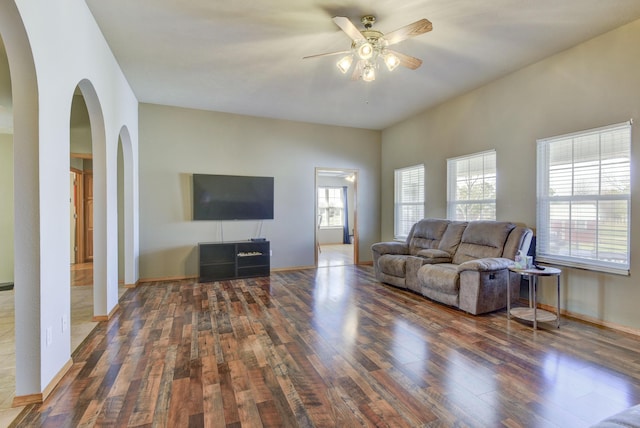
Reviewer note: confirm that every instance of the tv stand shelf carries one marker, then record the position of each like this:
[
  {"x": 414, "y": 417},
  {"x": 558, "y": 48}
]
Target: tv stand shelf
[{"x": 230, "y": 260}]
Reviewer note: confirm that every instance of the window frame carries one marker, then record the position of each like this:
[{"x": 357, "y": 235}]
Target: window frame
[
  {"x": 326, "y": 190},
  {"x": 453, "y": 203},
  {"x": 549, "y": 236},
  {"x": 402, "y": 219}
]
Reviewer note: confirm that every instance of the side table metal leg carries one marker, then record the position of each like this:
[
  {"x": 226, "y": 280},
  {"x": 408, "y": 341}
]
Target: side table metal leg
[
  {"x": 535, "y": 304},
  {"x": 558, "y": 304},
  {"x": 509, "y": 297}
]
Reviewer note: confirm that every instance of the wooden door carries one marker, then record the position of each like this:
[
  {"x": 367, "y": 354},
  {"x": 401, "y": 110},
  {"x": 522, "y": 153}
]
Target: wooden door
[
  {"x": 73, "y": 211},
  {"x": 88, "y": 216}
]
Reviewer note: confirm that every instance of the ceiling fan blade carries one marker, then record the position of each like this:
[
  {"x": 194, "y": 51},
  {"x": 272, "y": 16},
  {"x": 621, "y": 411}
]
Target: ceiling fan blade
[
  {"x": 347, "y": 26},
  {"x": 327, "y": 54},
  {"x": 406, "y": 60},
  {"x": 419, "y": 27}
]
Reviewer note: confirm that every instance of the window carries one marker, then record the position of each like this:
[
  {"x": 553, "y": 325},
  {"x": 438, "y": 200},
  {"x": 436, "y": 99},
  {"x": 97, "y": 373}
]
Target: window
[
  {"x": 330, "y": 207},
  {"x": 471, "y": 187},
  {"x": 584, "y": 196},
  {"x": 409, "y": 199}
]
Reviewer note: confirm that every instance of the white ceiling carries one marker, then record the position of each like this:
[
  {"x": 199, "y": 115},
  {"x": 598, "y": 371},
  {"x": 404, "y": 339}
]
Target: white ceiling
[{"x": 245, "y": 56}]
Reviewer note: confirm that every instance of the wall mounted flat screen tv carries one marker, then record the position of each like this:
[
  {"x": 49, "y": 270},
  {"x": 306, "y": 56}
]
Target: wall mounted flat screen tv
[{"x": 232, "y": 197}]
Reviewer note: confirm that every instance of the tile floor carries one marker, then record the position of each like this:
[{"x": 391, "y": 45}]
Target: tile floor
[{"x": 335, "y": 255}]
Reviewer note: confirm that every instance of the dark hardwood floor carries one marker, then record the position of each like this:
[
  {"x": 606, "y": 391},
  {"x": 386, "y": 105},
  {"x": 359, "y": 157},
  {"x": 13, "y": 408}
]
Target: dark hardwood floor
[{"x": 331, "y": 347}]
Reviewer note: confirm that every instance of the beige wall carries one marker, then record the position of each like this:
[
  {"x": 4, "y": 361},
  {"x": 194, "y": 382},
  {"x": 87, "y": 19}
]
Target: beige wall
[
  {"x": 6, "y": 216},
  {"x": 591, "y": 85},
  {"x": 177, "y": 142},
  {"x": 80, "y": 132}
]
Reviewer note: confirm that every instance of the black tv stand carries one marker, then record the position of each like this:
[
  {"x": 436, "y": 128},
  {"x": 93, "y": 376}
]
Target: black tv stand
[{"x": 230, "y": 260}]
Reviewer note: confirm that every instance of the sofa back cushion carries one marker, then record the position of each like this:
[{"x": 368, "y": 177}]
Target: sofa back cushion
[
  {"x": 427, "y": 233},
  {"x": 452, "y": 237},
  {"x": 482, "y": 239}
]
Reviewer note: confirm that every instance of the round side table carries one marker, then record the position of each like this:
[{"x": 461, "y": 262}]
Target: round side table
[{"x": 532, "y": 313}]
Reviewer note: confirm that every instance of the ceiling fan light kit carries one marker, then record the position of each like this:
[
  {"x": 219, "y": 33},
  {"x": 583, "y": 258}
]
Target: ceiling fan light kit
[
  {"x": 345, "y": 63},
  {"x": 369, "y": 73},
  {"x": 391, "y": 61},
  {"x": 368, "y": 46},
  {"x": 365, "y": 51}
]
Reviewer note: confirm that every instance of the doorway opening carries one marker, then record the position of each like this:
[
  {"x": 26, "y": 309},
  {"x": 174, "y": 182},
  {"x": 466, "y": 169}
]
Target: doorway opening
[
  {"x": 336, "y": 225},
  {"x": 81, "y": 220},
  {"x": 7, "y": 255}
]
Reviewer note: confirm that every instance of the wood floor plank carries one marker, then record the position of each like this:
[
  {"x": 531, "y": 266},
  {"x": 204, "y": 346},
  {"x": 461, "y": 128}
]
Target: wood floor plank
[
  {"x": 269, "y": 415},
  {"x": 333, "y": 347},
  {"x": 347, "y": 412},
  {"x": 248, "y": 410},
  {"x": 230, "y": 405},
  {"x": 146, "y": 401},
  {"x": 109, "y": 412},
  {"x": 213, "y": 406},
  {"x": 90, "y": 415},
  {"x": 178, "y": 414},
  {"x": 129, "y": 403},
  {"x": 161, "y": 417}
]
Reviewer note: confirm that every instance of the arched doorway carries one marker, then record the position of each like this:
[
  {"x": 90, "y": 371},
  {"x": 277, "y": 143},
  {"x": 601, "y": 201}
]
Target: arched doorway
[
  {"x": 105, "y": 280},
  {"x": 7, "y": 301},
  {"x": 81, "y": 220},
  {"x": 127, "y": 207},
  {"x": 107, "y": 165},
  {"x": 26, "y": 192}
]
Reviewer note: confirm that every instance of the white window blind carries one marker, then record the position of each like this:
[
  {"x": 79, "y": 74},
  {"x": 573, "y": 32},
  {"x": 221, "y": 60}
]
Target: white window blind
[
  {"x": 471, "y": 187},
  {"x": 409, "y": 199},
  {"x": 584, "y": 199},
  {"x": 330, "y": 206}
]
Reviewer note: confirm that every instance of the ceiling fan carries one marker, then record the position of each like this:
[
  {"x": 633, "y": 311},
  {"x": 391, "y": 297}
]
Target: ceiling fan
[{"x": 368, "y": 46}]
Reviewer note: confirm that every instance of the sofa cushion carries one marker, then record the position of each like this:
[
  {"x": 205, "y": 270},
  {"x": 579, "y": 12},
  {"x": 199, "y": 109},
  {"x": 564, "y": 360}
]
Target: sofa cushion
[
  {"x": 393, "y": 264},
  {"x": 427, "y": 234},
  {"x": 452, "y": 236},
  {"x": 442, "y": 277},
  {"x": 482, "y": 239},
  {"x": 433, "y": 255}
]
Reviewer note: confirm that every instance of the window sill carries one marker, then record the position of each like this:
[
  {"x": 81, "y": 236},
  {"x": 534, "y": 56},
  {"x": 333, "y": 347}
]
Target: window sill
[{"x": 584, "y": 266}]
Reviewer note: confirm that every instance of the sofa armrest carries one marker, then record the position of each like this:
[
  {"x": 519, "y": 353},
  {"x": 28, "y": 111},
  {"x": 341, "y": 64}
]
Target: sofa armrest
[
  {"x": 390, "y": 248},
  {"x": 381, "y": 248},
  {"x": 486, "y": 264},
  {"x": 433, "y": 256}
]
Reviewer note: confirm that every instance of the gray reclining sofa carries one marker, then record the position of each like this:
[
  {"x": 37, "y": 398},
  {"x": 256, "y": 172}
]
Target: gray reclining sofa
[{"x": 460, "y": 264}]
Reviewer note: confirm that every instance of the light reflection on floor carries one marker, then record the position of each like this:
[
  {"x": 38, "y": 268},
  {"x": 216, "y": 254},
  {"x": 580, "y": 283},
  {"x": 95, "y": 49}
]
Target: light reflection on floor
[
  {"x": 407, "y": 344},
  {"x": 332, "y": 311},
  {"x": 595, "y": 389}
]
